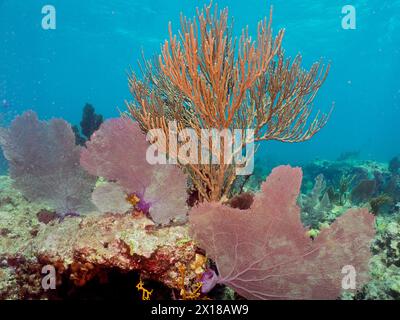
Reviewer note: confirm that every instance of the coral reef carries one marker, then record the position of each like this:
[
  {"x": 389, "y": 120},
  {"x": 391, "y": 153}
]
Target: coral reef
[
  {"x": 114, "y": 241},
  {"x": 96, "y": 248},
  {"x": 44, "y": 163},
  {"x": 84, "y": 248},
  {"x": 334, "y": 171},
  {"x": 385, "y": 264},
  {"x": 94, "y": 204},
  {"x": 357, "y": 183},
  {"x": 18, "y": 225},
  {"x": 387, "y": 243},
  {"x": 264, "y": 252},
  {"x": 18, "y": 220}
]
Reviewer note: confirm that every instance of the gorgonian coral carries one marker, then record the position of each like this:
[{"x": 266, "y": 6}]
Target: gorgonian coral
[
  {"x": 117, "y": 152},
  {"x": 264, "y": 252},
  {"x": 44, "y": 163},
  {"x": 205, "y": 78},
  {"x": 315, "y": 205},
  {"x": 90, "y": 122},
  {"x": 110, "y": 197}
]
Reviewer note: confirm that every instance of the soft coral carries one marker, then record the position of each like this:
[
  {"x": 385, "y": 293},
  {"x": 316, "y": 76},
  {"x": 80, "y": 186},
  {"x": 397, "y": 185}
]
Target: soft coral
[{"x": 264, "y": 252}]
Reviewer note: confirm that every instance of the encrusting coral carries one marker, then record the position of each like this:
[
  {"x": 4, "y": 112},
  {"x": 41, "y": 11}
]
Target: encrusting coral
[
  {"x": 205, "y": 79},
  {"x": 385, "y": 264}
]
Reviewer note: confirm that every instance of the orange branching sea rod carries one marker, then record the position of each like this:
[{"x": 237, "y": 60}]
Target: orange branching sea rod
[{"x": 206, "y": 79}]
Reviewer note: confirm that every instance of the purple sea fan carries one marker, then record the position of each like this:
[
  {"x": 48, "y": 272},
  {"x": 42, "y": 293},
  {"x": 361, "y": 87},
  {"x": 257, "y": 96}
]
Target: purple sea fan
[
  {"x": 44, "y": 163},
  {"x": 110, "y": 197},
  {"x": 264, "y": 252},
  {"x": 117, "y": 152}
]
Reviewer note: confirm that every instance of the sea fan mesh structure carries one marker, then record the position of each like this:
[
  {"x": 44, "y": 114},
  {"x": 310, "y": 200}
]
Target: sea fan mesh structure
[
  {"x": 110, "y": 197},
  {"x": 117, "y": 152},
  {"x": 44, "y": 163},
  {"x": 264, "y": 252}
]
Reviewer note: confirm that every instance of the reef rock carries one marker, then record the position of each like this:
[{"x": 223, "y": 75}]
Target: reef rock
[
  {"x": 83, "y": 248},
  {"x": 124, "y": 242}
]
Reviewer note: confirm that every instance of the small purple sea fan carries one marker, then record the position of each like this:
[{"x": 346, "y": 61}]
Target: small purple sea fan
[
  {"x": 44, "y": 163},
  {"x": 117, "y": 152}
]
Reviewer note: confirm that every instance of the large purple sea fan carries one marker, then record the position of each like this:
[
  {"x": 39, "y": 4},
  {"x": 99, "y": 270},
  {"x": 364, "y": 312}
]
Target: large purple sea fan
[
  {"x": 44, "y": 163},
  {"x": 264, "y": 252},
  {"x": 117, "y": 152}
]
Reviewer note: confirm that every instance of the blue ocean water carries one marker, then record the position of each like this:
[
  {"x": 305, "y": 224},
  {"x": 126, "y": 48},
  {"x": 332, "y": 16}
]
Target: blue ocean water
[{"x": 88, "y": 56}]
